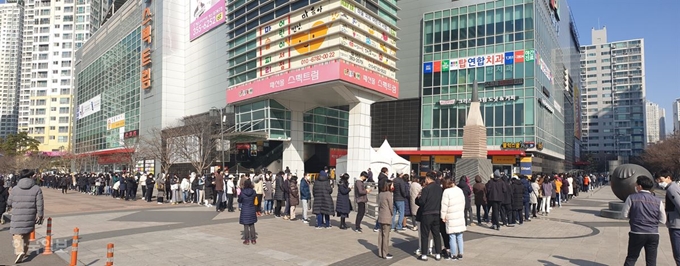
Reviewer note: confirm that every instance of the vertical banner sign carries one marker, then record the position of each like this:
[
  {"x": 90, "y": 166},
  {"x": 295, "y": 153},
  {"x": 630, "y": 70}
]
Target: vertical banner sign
[{"x": 147, "y": 38}]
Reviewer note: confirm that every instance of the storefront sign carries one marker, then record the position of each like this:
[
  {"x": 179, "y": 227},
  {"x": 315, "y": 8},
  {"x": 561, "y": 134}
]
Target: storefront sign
[
  {"x": 539, "y": 146},
  {"x": 442, "y": 159},
  {"x": 131, "y": 134},
  {"x": 546, "y": 105},
  {"x": 506, "y": 58},
  {"x": 481, "y": 100},
  {"x": 518, "y": 145},
  {"x": 147, "y": 38},
  {"x": 525, "y": 168},
  {"x": 546, "y": 92},
  {"x": 505, "y": 82},
  {"x": 115, "y": 122},
  {"x": 503, "y": 160},
  {"x": 320, "y": 73}
]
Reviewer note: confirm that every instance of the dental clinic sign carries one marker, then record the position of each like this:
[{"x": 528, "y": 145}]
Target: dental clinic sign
[{"x": 147, "y": 38}]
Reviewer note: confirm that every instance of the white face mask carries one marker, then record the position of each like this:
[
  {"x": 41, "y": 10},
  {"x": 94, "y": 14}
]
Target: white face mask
[{"x": 663, "y": 185}]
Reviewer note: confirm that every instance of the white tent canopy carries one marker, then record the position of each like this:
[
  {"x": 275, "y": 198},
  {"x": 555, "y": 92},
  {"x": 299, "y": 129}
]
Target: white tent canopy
[{"x": 383, "y": 157}]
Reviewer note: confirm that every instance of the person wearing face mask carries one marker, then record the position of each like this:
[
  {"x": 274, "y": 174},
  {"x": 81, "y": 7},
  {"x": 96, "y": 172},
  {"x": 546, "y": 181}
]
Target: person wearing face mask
[
  {"x": 663, "y": 178},
  {"x": 645, "y": 212}
]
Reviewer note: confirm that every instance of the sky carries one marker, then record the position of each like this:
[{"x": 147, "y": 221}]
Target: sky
[{"x": 656, "y": 21}]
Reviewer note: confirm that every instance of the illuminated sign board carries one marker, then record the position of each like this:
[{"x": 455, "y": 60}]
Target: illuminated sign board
[
  {"x": 481, "y": 100},
  {"x": 147, "y": 38},
  {"x": 518, "y": 145},
  {"x": 131, "y": 134},
  {"x": 497, "y": 59}
]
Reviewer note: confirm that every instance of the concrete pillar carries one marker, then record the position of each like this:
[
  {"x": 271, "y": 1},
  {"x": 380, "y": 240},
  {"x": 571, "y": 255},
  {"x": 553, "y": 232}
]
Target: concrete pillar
[
  {"x": 359, "y": 137},
  {"x": 293, "y": 148}
]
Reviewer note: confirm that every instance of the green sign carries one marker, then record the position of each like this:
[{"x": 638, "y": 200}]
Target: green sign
[
  {"x": 529, "y": 56},
  {"x": 445, "y": 65}
]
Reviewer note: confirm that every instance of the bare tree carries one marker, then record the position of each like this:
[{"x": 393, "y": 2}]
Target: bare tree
[
  {"x": 8, "y": 164},
  {"x": 195, "y": 141},
  {"x": 154, "y": 144},
  {"x": 663, "y": 155}
]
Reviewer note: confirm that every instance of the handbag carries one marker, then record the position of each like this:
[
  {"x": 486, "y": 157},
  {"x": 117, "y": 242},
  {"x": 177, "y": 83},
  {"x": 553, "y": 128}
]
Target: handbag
[{"x": 256, "y": 201}]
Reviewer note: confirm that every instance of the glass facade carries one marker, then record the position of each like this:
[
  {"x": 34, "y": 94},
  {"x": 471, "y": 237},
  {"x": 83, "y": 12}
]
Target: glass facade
[
  {"x": 268, "y": 115},
  {"x": 512, "y": 113},
  {"x": 114, "y": 76},
  {"x": 326, "y": 125}
]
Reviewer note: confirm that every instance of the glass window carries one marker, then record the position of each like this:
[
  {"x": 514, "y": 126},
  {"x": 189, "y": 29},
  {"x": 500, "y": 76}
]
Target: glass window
[
  {"x": 437, "y": 31},
  {"x": 454, "y": 28},
  {"x": 429, "y": 37},
  {"x": 499, "y": 21}
]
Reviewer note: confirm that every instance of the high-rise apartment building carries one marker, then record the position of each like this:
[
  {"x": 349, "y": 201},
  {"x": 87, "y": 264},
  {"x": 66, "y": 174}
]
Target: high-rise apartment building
[
  {"x": 613, "y": 101},
  {"x": 655, "y": 118},
  {"x": 11, "y": 15},
  {"x": 676, "y": 116},
  {"x": 53, "y": 31}
]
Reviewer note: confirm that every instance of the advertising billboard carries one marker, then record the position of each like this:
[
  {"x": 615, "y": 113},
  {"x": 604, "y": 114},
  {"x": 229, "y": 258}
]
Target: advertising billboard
[
  {"x": 507, "y": 58},
  {"x": 89, "y": 107},
  {"x": 316, "y": 74},
  {"x": 115, "y": 122},
  {"x": 205, "y": 16}
]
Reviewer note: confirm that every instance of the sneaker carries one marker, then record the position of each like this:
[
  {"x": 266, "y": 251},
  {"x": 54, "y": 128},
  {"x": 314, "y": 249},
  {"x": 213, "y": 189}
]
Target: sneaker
[
  {"x": 438, "y": 257},
  {"x": 329, "y": 227},
  {"x": 318, "y": 227},
  {"x": 357, "y": 230},
  {"x": 417, "y": 252},
  {"x": 423, "y": 257},
  {"x": 375, "y": 229},
  {"x": 305, "y": 221},
  {"x": 20, "y": 257},
  {"x": 246, "y": 242},
  {"x": 400, "y": 230},
  {"x": 389, "y": 256},
  {"x": 460, "y": 257}
]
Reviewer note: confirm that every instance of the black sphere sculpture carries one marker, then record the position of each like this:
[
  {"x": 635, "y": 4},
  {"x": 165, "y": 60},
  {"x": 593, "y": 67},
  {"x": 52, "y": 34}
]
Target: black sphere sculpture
[{"x": 624, "y": 177}]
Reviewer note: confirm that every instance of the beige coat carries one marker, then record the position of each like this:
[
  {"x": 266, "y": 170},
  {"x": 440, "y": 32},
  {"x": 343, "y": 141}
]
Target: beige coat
[
  {"x": 385, "y": 207},
  {"x": 415, "y": 189}
]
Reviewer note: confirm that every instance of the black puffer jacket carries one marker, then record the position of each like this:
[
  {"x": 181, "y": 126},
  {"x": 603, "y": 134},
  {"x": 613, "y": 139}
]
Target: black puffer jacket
[
  {"x": 463, "y": 185},
  {"x": 517, "y": 194},
  {"x": 495, "y": 190},
  {"x": 279, "y": 188},
  {"x": 323, "y": 201}
]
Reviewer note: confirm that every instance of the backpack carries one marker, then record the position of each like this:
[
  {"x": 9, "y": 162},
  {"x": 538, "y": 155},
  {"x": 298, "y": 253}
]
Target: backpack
[{"x": 160, "y": 186}]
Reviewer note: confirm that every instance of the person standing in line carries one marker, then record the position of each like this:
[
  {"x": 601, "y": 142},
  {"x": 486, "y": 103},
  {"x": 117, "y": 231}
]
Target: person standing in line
[
  {"x": 361, "y": 198},
  {"x": 430, "y": 201},
  {"x": 248, "y": 215},
  {"x": 185, "y": 186},
  {"x": 385, "y": 218},
  {"x": 231, "y": 192},
  {"x": 305, "y": 197},
  {"x": 293, "y": 196},
  {"x": 150, "y": 187},
  {"x": 160, "y": 186},
  {"x": 414, "y": 190},
  {"x": 343, "y": 205},
  {"x": 286, "y": 196},
  {"x": 193, "y": 191},
  {"x": 527, "y": 197},
  {"x": 534, "y": 196},
  {"x": 518, "y": 191},
  {"x": 453, "y": 215},
  {"x": 219, "y": 190},
  {"x": 142, "y": 183},
  {"x": 200, "y": 190},
  {"x": 664, "y": 180},
  {"x": 479, "y": 190},
  {"x": 645, "y": 212},
  {"x": 4, "y": 196},
  {"x": 382, "y": 177},
  {"x": 547, "y": 188},
  {"x": 495, "y": 191},
  {"x": 400, "y": 192},
  {"x": 278, "y": 194},
  {"x": 268, "y": 193},
  {"x": 464, "y": 186},
  {"x": 323, "y": 202},
  {"x": 26, "y": 201},
  {"x": 258, "y": 182}
]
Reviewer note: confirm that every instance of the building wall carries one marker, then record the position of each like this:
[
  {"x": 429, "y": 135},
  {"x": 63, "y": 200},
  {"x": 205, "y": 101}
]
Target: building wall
[
  {"x": 395, "y": 122},
  {"x": 59, "y": 28},
  {"x": 11, "y": 23},
  {"x": 654, "y": 122},
  {"x": 614, "y": 96},
  {"x": 676, "y": 116}
]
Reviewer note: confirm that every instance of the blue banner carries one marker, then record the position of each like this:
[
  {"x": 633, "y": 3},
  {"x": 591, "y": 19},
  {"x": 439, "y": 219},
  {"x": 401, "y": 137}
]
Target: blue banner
[
  {"x": 525, "y": 168},
  {"x": 509, "y": 58},
  {"x": 427, "y": 67}
]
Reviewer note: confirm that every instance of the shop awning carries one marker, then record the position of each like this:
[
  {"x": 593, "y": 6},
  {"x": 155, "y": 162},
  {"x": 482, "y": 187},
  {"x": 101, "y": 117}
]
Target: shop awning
[{"x": 459, "y": 152}]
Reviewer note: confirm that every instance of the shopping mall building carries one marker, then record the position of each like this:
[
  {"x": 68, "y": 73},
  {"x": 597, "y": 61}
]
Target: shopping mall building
[{"x": 320, "y": 79}]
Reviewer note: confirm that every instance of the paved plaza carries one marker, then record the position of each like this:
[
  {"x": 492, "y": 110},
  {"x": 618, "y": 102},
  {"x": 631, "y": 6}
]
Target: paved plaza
[{"x": 151, "y": 234}]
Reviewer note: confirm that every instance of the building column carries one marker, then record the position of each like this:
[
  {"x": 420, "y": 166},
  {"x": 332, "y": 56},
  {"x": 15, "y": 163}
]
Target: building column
[
  {"x": 359, "y": 138},
  {"x": 293, "y": 148}
]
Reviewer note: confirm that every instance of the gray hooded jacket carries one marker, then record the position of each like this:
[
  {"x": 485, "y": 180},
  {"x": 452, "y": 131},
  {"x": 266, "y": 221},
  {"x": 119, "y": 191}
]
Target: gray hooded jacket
[{"x": 26, "y": 200}]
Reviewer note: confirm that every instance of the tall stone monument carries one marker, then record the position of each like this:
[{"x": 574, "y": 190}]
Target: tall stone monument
[{"x": 474, "y": 161}]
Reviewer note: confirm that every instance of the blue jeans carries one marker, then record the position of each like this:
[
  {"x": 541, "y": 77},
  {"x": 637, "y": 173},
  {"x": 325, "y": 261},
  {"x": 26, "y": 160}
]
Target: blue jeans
[
  {"x": 185, "y": 195},
  {"x": 456, "y": 243},
  {"x": 320, "y": 220},
  {"x": 268, "y": 204},
  {"x": 527, "y": 210},
  {"x": 398, "y": 208}
]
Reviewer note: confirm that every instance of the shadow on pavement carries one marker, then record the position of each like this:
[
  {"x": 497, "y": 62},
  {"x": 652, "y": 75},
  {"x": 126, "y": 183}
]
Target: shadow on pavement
[
  {"x": 547, "y": 263},
  {"x": 593, "y": 212},
  {"x": 370, "y": 246},
  {"x": 579, "y": 261}
]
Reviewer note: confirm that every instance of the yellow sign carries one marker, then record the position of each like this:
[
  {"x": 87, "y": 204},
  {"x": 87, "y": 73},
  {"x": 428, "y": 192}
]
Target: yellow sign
[
  {"x": 414, "y": 159},
  {"x": 503, "y": 160},
  {"x": 425, "y": 158},
  {"x": 115, "y": 122},
  {"x": 449, "y": 159},
  {"x": 525, "y": 160}
]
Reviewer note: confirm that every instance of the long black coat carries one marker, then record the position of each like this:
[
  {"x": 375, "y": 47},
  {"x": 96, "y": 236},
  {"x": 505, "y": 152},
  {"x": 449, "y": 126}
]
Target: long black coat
[
  {"x": 323, "y": 201},
  {"x": 248, "y": 213},
  {"x": 463, "y": 185},
  {"x": 517, "y": 194},
  {"x": 279, "y": 189},
  {"x": 343, "y": 204},
  {"x": 4, "y": 194}
]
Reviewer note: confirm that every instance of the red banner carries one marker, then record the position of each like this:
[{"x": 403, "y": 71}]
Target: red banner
[{"x": 335, "y": 154}]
